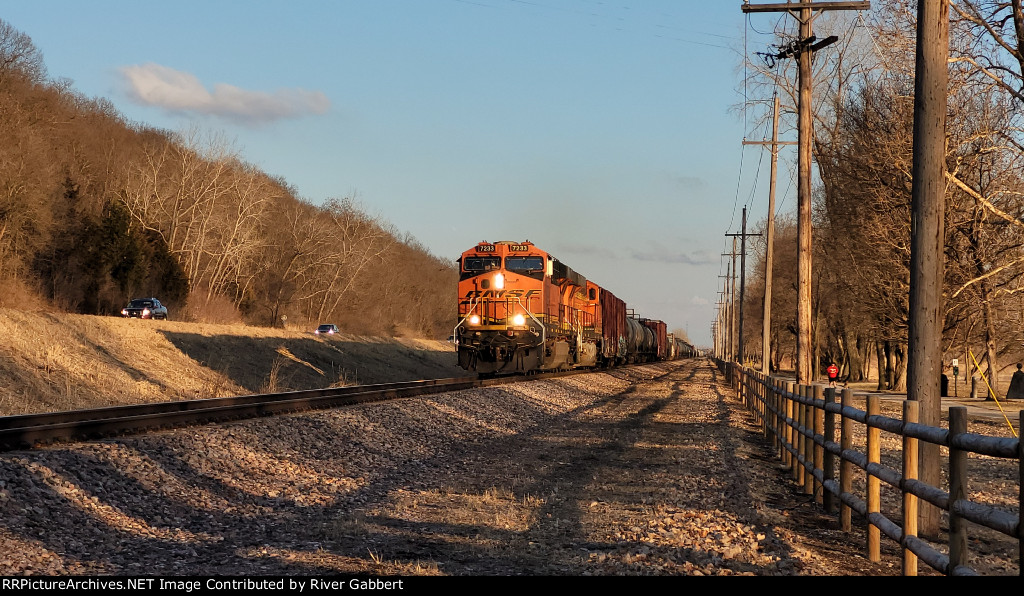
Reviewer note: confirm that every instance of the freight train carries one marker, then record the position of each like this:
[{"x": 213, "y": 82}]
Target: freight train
[{"x": 523, "y": 311}]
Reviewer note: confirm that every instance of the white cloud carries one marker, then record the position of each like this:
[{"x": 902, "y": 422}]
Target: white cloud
[
  {"x": 177, "y": 91},
  {"x": 698, "y": 301},
  {"x": 658, "y": 254}
]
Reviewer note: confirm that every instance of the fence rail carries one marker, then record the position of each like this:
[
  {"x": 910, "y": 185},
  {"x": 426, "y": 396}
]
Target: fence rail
[{"x": 800, "y": 420}]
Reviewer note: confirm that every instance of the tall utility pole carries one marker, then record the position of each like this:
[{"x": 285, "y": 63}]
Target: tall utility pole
[
  {"x": 732, "y": 297},
  {"x": 743, "y": 278},
  {"x": 714, "y": 337},
  {"x": 928, "y": 198},
  {"x": 719, "y": 326},
  {"x": 766, "y": 326},
  {"x": 805, "y": 12}
]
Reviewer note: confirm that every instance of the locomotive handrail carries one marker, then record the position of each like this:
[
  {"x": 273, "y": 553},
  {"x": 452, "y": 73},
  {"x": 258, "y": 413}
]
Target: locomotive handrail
[
  {"x": 543, "y": 328},
  {"x": 472, "y": 306}
]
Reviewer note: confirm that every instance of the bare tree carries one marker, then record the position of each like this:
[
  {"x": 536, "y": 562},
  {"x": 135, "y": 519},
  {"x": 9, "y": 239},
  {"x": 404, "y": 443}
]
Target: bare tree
[{"x": 19, "y": 57}]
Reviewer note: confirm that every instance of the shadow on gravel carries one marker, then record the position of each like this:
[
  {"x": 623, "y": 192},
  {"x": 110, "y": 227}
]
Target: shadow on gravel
[{"x": 322, "y": 498}]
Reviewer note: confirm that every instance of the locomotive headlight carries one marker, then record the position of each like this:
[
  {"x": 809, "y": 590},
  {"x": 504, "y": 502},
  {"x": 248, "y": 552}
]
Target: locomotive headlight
[
  {"x": 518, "y": 320},
  {"x": 499, "y": 281},
  {"x": 474, "y": 320}
]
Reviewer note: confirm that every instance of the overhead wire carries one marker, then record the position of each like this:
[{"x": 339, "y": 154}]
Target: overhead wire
[
  {"x": 739, "y": 176},
  {"x": 746, "y": 77}
]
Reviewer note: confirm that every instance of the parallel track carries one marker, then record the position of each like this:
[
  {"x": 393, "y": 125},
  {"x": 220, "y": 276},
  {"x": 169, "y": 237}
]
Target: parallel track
[{"x": 31, "y": 430}]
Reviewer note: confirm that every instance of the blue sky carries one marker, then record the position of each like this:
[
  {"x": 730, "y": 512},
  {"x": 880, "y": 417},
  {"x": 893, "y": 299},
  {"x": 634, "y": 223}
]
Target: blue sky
[{"x": 608, "y": 133}]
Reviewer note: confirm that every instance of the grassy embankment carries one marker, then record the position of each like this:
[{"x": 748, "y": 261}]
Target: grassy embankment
[{"x": 54, "y": 362}]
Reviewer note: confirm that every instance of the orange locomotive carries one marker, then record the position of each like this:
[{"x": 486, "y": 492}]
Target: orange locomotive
[{"x": 521, "y": 310}]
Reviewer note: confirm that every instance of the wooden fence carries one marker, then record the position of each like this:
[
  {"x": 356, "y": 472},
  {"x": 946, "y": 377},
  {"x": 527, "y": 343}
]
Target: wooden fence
[{"x": 800, "y": 420}]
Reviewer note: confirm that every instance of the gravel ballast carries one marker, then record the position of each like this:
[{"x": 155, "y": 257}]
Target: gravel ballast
[{"x": 647, "y": 470}]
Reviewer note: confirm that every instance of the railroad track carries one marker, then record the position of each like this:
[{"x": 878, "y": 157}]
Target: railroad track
[{"x": 32, "y": 430}]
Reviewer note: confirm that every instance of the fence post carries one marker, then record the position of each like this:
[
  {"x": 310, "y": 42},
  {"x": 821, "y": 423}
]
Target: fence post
[
  {"x": 762, "y": 400},
  {"x": 846, "y": 467},
  {"x": 741, "y": 377},
  {"x": 828, "y": 468},
  {"x": 798, "y": 436},
  {"x": 752, "y": 382},
  {"x": 790, "y": 422},
  {"x": 874, "y": 501},
  {"x": 910, "y": 500},
  {"x": 780, "y": 418},
  {"x": 957, "y": 488},
  {"x": 776, "y": 418},
  {"x": 782, "y": 402},
  {"x": 808, "y": 425},
  {"x": 760, "y": 396},
  {"x": 818, "y": 414}
]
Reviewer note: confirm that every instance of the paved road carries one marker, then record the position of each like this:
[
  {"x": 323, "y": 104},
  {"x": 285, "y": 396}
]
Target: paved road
[{"x": 987, "y": 409}]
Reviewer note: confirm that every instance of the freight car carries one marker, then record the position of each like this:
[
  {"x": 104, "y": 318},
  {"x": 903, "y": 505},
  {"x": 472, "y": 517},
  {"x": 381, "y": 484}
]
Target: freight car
[{"x": 521, "y": 311}]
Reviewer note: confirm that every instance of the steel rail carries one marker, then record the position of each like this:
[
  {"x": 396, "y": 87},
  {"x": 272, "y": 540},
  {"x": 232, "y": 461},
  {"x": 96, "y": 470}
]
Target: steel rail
[{"x": 27, "y": 431}]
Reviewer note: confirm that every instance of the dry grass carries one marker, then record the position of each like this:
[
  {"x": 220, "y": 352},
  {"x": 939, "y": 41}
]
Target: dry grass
[
  {"x": 14, "y": 293},
  {"x": 53, "y": 362}
]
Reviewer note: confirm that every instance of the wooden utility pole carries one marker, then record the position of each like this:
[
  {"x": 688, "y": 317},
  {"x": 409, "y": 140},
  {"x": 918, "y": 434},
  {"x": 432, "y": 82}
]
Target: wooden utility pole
[
  {"x": 714, "y": 337},
  {"x": 766, "y": 326},
  {"x": 732, "y": 297},
  {"x": 743, "y": 278},
  {"x": 927, "y": 234},
  {"x": 805, "y": 12},
  {"x": 724, "y": 325},
  {"x": 732, "y": 303},
  {"x": 720, "y": 326}
]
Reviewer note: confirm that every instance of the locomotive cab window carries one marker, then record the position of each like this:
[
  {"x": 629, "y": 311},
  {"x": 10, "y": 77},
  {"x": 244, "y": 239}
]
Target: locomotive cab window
[
  {"x": 524, "y": 264},
  {"x": 473, "y": 266},
  {"x": 478, "y": 264},
  {"x": 528, "y": 266}
]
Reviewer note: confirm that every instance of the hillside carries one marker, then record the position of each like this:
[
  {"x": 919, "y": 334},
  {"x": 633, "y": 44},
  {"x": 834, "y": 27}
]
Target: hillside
[
  {"x": 96, "y": 210},
  {"x": 51, "y": 362}
]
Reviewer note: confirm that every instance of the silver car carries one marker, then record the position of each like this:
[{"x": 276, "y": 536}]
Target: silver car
[{"x": 144, "y": 308}]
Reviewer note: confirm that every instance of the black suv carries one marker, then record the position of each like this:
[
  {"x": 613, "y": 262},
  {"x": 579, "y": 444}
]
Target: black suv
[{"x": 144, "y": 308}]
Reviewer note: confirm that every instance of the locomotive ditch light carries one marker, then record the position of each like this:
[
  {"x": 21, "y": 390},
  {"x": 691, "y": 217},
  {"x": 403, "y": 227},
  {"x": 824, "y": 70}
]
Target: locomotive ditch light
[
  {"x": 519, "y": 320},
  {"x": 474, "y": 320}
]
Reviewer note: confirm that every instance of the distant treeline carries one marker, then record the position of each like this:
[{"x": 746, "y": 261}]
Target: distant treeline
[{"x": 95, "y": 210}]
